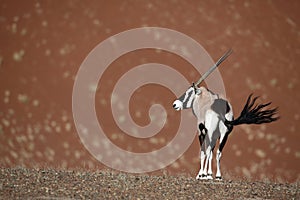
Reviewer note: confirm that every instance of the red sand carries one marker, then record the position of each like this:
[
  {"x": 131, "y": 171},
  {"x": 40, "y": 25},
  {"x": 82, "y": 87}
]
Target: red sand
[{"x": 43, "y": 44}]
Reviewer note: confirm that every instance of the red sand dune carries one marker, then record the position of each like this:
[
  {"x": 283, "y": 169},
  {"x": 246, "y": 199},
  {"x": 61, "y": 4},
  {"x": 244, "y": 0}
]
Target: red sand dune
[{"x": 43, "y": 44}]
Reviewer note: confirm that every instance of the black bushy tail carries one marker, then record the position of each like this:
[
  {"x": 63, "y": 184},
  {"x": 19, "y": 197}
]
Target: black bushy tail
[{"x": 254, "y": 114}]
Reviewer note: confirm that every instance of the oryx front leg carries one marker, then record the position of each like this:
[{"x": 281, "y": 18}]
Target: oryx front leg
[
  {"x": 202, "y": 133},
  {"x": 203, "y": 173},
  {"x": 207, "y": 162},
  {"x": 202, "y": 160}
]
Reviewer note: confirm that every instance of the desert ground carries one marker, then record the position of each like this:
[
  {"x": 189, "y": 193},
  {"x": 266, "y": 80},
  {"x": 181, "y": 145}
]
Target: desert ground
[
  {"x": 43, "y": 44},
  {"x": 107, "y": 184}
]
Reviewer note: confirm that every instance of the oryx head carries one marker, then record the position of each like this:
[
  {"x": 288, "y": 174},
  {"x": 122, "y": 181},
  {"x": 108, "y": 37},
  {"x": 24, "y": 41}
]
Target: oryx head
[{"x": 186, "y": 100}]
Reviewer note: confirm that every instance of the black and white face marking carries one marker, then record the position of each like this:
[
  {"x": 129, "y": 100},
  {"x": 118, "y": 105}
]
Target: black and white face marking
[{"x": 186, "y": 100}]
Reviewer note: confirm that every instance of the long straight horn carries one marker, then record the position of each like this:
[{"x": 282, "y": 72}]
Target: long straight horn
[{"x": 214, "y": 67}]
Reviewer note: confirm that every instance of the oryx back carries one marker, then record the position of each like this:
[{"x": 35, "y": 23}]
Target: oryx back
[{"x": 208, "y": 101}]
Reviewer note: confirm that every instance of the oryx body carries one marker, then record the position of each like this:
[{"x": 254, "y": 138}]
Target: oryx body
[
  {"x": 211, "y": 110},
  {"x": 215, "y": 120}
]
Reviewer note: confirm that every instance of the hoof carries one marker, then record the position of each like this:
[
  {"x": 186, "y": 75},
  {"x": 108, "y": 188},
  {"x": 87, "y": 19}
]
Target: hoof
[
  {"x": 218, "y": 178},
  {"x": 209, "y": 177},
  {"x": 201, "y": 177}
]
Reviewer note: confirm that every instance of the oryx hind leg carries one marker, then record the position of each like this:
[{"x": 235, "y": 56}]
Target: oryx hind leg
[
  {"x": 225, "y": 131},
  {"x": 215, "y": 137},
  {"x": 211, "y": 123},
  {"x": 210, "y": 172}
]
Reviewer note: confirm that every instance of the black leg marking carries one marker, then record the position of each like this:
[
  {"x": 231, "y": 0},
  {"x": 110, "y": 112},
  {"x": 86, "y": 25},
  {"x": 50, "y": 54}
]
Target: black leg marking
[
  {"x": 201, "y": 139},
  {"x": 203, "y": 132},
  {"x": 202, "y": 129}
]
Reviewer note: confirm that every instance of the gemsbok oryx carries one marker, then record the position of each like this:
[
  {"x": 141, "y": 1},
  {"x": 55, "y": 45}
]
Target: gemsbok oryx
[{"x": 215, "y": 119}]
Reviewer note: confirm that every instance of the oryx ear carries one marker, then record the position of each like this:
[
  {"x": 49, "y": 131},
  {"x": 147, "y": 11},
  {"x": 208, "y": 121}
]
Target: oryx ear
[{"x": 196, "y": 89}]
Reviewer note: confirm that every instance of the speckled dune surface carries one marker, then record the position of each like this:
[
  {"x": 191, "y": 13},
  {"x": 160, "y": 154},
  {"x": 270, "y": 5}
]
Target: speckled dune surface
[{"x": 43, "y": 43}]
